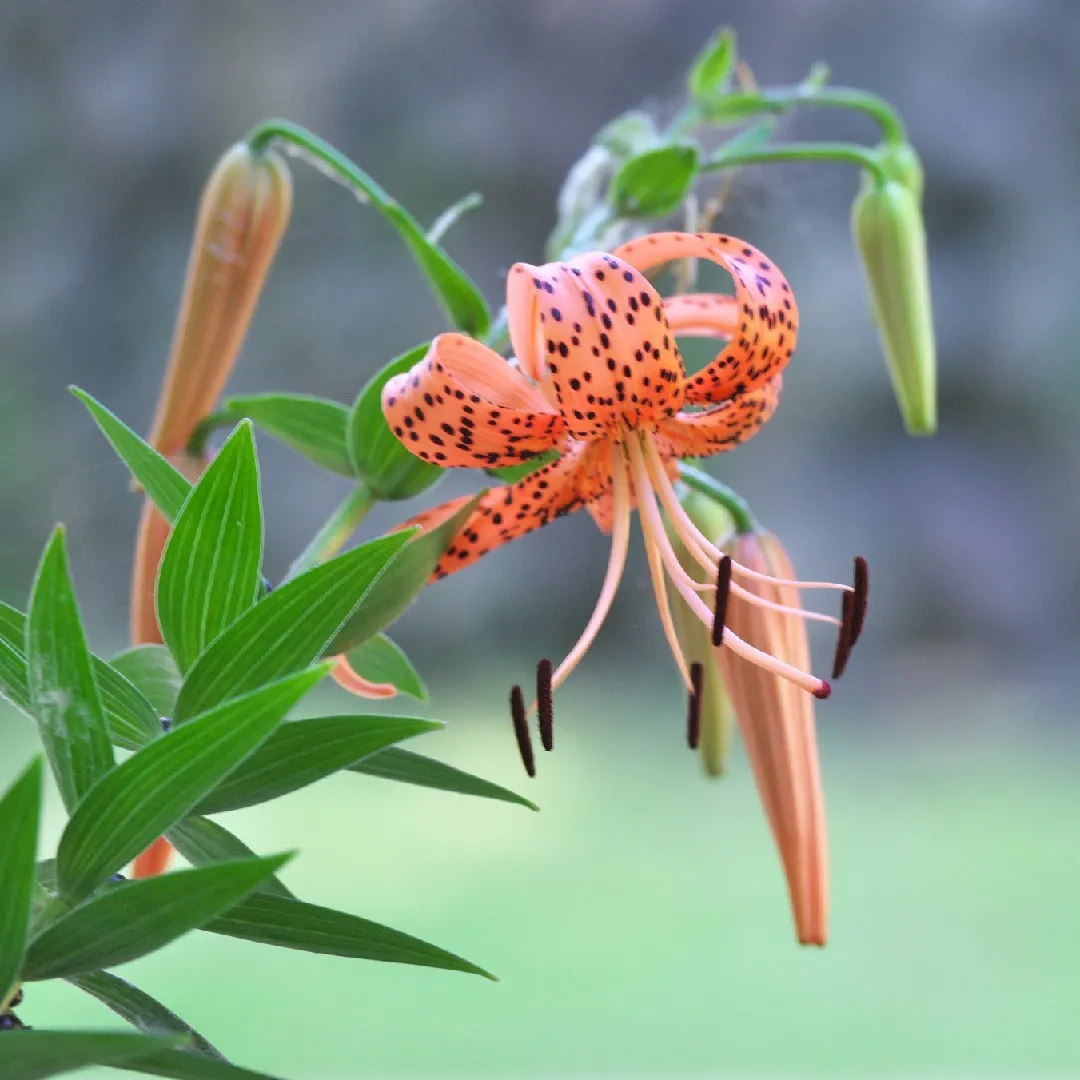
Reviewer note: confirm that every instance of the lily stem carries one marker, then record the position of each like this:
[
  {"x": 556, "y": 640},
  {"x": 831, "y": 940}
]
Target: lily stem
[
  {"x": 336, "y": 530},
  {"x": 845, "y": 152},
  {"x": 734, "y": 504}
]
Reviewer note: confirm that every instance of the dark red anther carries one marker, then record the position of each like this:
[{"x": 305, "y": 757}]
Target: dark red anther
[
  {"x": 521, "y": 730},
  {"x": 823, "y": 691},
  {"x": 544, "y": 705},
  {"x": 844, "y": 638},
  {"x": 859, "y": 597},
  {"x": 693, "y": 708},
  {"x": 723, "y": 589}
]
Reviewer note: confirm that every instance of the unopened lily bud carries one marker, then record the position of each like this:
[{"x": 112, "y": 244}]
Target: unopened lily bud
[
  {"x": 776, "y": 722},
  {"x": 242, "y": 217},
  {"x": 717, "y": 718},
  {"x": 887, "y": 225}
]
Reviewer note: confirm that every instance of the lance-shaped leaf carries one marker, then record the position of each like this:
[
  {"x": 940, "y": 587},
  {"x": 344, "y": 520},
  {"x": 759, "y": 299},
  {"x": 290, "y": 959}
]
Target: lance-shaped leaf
[
  {"x": 33, "y": 1055},
  {"x": 134, "y": 918},
  {"x": 380, "y": 660},
  {"x": 209, "y": 571},
  {"x": 398, "y": 587},
  {"x": 20, "y": 809},
  {"x": 287, "y": 629},
  {"x": 202, "y": 842},
  {"x": 389, "y": 470},
  {"x": 656, "y": 182},
  {"x": 710, "y": 74},
  {"x": 292, "y": 924},
  {"x": 160, "y": 784},
  {"x": 131, "y": 719},
  {"x": 312, "y": 426},
  {"x": 63, "y": 691},
  {"x": 303, "y": 751},
  {"x": 184, "y": 1065},
  {"x": 153, "y": 671},
  {"x": 140, "y": 1010},
  {"x": 409, "y": 768},
  {"x": 164, "y": 484}
]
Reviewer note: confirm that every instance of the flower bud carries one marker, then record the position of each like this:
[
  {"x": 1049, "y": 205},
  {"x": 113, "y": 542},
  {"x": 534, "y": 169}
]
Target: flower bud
[
  {"x": 717, "y": 715},
  {"x": 242, "y": 217},
  {"x": 887, "y": 225}
]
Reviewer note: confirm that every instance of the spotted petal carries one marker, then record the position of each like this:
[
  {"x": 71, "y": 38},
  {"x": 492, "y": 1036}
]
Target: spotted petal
[
  {"x": 464, "y": 405},
  {"x": 724, "y": 426},
  {"x": 762, "y": 337},
  {"x": 594, "y": 330}
]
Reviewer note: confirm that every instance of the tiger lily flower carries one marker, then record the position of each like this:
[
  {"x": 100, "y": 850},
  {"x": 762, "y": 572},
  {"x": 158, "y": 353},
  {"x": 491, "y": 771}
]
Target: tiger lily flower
[{"x": 599, "y": 379}]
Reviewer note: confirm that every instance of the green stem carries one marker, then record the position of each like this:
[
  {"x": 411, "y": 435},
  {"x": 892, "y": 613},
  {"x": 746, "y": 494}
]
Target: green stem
[
  {"x": 336, "y": 530},
  {"x": 734, "y": 504},
  {"x": 845, "y": 152},
  {"x": 843, "y": 97}
]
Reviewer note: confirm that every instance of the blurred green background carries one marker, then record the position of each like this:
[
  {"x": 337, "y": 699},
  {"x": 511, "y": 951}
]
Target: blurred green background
[{"x": 638, "y": 923}]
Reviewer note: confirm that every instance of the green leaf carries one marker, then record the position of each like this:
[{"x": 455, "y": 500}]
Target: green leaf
[
  {"x": 134, "y": 918},
  {"x": 735, "y": 108},
  {"x": 312, "y": 426},
  {"x": 379, "y": 660},
  {"x": 511, "y": 474},
  {"x": 153, "y": 671},
  {"x": 163, "y": 483},
  {"x": 710, "y": 74},
  {"x": 409, "y": 768},
  {"x": 303, "y": 751},
  {"x": 287, "y": 629},
  {"x": 751, "y": 139},
  {"x": 389, "y": 470},
  {"x": 33, "y": 1055},
  {"x": 656, "y": 182},
  {"x": 20, "y": 810},
  {"x": 202, "y": 841},
  {"x": 64, "y": 693},
  {"x": 161, "y": 783},
  {"x": 628, "y": 134},
  {"x": 292, "y": 924},
  {"x": 182, "y": 1065},
  {"x": 139, "y": 1009},
  {"x": 209, "y": 571},
  {"x": 131, "y": 719},
  {"x": 398, "y": 587}
]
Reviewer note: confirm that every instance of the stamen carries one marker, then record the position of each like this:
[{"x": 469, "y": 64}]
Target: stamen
[
  {"x": 723, "y": 590},
  {"x": 521, "y": 730},
  {"x": 843, "y": 639},
  {"x": 620, "y": 542},
  {"x": 693, "y": 708},
  {"x": 860, "y": 595},
  {"x": 544, "y": 704}
]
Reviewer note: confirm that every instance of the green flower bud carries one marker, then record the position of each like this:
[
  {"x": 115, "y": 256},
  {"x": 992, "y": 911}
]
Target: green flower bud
[
  {"x": 887, "y": 224},
  {"x": 717, "y": 715}
]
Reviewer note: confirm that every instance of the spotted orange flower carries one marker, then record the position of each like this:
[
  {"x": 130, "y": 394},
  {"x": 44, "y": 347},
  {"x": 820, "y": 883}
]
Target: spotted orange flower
[{"x": 599, "y": 379}]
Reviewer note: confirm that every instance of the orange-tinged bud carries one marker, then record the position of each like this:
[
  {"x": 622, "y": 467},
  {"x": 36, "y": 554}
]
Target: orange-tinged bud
[
  {"x": 776, "y": 721},
  {"x": 242, "y": 217},
  {"x": 887, "y": 224}
]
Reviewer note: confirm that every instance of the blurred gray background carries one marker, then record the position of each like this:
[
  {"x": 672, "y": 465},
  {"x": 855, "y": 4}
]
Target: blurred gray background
[{"x": 639, "y": 922}]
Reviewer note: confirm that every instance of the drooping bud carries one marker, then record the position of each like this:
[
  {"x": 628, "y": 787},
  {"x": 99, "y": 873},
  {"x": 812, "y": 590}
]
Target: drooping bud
[
  {"x": 776, "y": 721},
  {"x": 887, "y": 224},
  {"x": 242, "y": 217},
  {"x": 243, "y": 214},
  {"x": 715, "y": 718}
]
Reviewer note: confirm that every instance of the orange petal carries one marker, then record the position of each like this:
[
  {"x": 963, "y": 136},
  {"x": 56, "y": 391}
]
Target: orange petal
[
  {"x": 505, "y": 513},
  {"x": 722, "y": 427},
  {"x": 154, "y": 860},
  {"x": 764, "y": 336},
  {"x": 702, "y": 314},
  {"x": 464, "y": 405},
  {"x": 606, "y": 347},
  {"x": 346, "y": 676}
]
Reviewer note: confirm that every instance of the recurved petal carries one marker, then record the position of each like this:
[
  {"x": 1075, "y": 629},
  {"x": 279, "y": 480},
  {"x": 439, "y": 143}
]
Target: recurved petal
[
  {"x": 724, "y": 426},
  {"x": 505, "y": 513},
  {"x": 702, "y": 314},
  {"x": 464, "y": 405},
  {"x": 762, "y": 338},
  {"x": 346, "y": 676}
]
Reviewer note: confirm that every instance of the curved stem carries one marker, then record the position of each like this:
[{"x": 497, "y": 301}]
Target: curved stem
[
  {"x": 336, "y": 530},
  {"x": 849, "y": 153},
  {"x": 844, "y": 97},
  {"x": 734, "y": 504}
]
